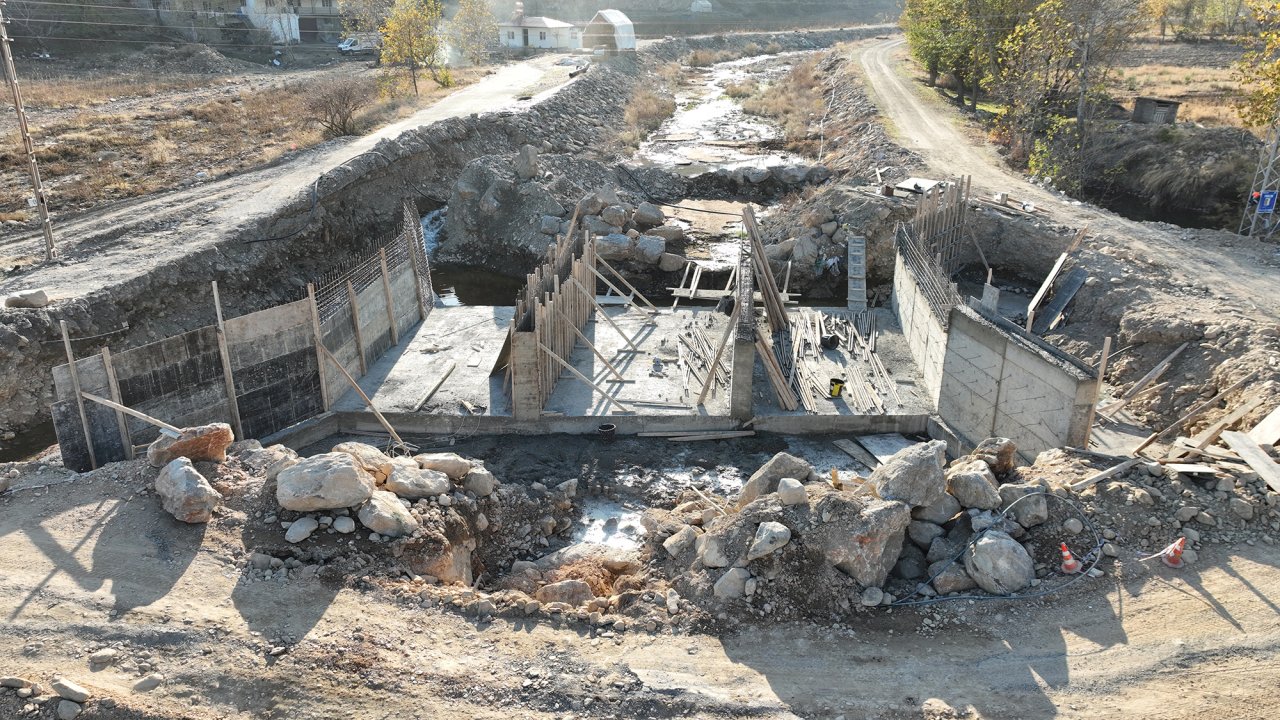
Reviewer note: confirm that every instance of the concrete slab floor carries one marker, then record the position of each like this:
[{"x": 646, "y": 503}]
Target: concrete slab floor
[{"x": 472, "y": 337}]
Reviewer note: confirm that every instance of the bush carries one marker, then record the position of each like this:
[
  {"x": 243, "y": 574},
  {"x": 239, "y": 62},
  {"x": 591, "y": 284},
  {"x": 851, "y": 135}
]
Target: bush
[
  {"x": 334, "y": 104},
  {"x": 645, "y": 113},
  {"x": 744, "y": 89}
]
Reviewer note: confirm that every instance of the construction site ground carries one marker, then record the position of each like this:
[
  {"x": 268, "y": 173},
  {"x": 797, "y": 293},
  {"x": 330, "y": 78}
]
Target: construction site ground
[
  {"x": 471, "y": 338},
  {"x": 93, "y": 562}
]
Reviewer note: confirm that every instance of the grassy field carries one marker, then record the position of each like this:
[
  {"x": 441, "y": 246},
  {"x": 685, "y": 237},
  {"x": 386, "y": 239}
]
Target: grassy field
[{"x": 1207, "y": 94}]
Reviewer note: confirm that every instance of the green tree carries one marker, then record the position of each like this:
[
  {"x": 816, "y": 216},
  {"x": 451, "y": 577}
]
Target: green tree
[
  {"x": 412, "y": 38},
  {"x": 1259, "y": 68},
  {"x": 473, "y": 29}
]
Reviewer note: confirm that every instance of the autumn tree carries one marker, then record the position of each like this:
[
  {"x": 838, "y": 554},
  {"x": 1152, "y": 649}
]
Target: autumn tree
[
  {"x": 364, "y": 16},
  {"x": 473, "y": 29},
  {"x": 1259, "y": 68},
  {"x": 412, "y": 38}
]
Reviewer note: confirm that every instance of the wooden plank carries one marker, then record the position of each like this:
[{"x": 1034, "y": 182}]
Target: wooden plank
[
  {"x": 318, "y": 336},
  {"x": 1192, "y": 468},
  {"x": 75, "y": 386},
  {"x": 714, "y": 436},
  {"x": 857, "y": 452},
  {"x": 1111, "y": 472},
  {"x": 591, "y": 347},
  {"x": 1257, "y": 459},
  {"x": 233, "y": 407},
  {"x": 1267, "y": 432},
  {"x": 625, "y": 283},
  {"x": 368, "y": 403},
  {"x": 1044, "y": 287},
  {"x": 607, "y": 397},
  {"x": 1093, "y": 407},
  {"x": 113, "y": 386},
  {"x": 386, "y": 293},
  {"x": 166, "y": 428},
  {"x": 438, "y": 383},
  {"x": 1206, "y": 437},
  {"x": 587, "y": 294},
  {"x": 1071, "y": 285},
  {"x": 355, "y": 324},
  {"x": 715, "y": 361},
  {"x": 1194, "y": 413},
  {"x": 884, "y": 446}
]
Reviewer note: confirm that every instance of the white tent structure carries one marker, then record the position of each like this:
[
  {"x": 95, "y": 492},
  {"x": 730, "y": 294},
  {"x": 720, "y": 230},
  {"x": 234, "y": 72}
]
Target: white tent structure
[
  {"x": 700, "y": 6},
  {"x": 612, "y": 29}
]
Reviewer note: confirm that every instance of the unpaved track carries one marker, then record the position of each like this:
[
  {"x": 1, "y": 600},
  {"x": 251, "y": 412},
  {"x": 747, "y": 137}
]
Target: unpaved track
[
  {"x": 87, "y": 564},
  {"x": 98, "y": 248},
  {"x": 1239, "y": 268}
]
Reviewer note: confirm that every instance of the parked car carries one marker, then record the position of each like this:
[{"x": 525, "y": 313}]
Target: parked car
[{"x": 358, "y": 45}]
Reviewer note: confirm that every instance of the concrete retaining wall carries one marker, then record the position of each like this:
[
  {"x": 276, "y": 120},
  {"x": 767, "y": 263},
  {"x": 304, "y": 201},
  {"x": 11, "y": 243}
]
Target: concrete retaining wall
[
  {"x": 924, "y": 333},
  {"x": 998, "y": 381},
  {"x": 274, "y": 366}
]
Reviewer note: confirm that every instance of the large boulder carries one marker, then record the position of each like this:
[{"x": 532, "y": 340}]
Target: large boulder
[
  {"x": 648, "y": 215},
  {"x": 863, "y": 541},
  {"x": 323, "y": 482},
  {"x": 204, "y": 443},
  {"x": 451, "y": 464},
  {"x": 732, "y": 584},
  {"x": 911, "y": 564},
  {"x": 369, "y": 458},
  {"x": 973, "y": 485},
  {"x": 999, "y": 564},
  {"x": 526, "y": 165},
  {"x": 649, "y": 249},
  {"x": 769, "y": 537},
  {"x": 384, "y": 514},
  {"x": 951, "y": 577},
  {"x": 570, "y": 592},
  {"x": 614, "y": 246},
  {"x": 615, "y": 215},
  {"x": 765, "y": 480},
  {"x": 480, "y": 482},
  {"x": 185, "y": 494},
  {"x": 670, "y": 233},
  {"x": 417, "y": 484},
  {"x": 999, "y": 453},
  {"x": 1028, "y": 512},
  {"x": 791, "y": 492},
  {"x": 36, "y": 298},
  {"x": 619, "y": 561},
  {"x": 924, "y": 533},
  {"x": 913, "y": 475},
  {"x": 938, "y": 511}
]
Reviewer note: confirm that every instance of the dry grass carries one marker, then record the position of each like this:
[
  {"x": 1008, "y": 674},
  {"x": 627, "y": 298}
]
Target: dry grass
[
  {"x": 76, "y": 92},
  {"x": 1207, "y": 94},
  {"x": 645, "y": 113},
  {"x": 94, "y": 157},
  {"x": 796, "y": 103},
  {"x": 742, "y": 90}
]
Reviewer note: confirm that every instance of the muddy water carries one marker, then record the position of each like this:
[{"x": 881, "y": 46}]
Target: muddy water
[{"x": 709, "y": 130}]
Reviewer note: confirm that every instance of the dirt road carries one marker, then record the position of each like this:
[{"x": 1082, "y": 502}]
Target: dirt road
[
  {"x": 96, "y": 563},
  {"x": 1238, "y": 268},
  {"x": 91, "y": 243}
]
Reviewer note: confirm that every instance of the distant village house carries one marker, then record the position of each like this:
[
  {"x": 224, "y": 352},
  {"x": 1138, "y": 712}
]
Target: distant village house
[
  {"x": 524, "y": 31},
  {"x": 611, "y": 29}
]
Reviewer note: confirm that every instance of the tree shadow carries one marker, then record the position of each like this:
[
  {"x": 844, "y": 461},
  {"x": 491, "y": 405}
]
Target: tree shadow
[
  {"x": 1005, "y": 669},
  {"x": 138, "y": 548}
]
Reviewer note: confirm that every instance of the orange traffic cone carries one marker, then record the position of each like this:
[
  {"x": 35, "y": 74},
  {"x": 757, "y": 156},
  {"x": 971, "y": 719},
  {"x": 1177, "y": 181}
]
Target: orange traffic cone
[
  {"x": 1070, "y": 565},
  {"x": 1172, "y": 555}
]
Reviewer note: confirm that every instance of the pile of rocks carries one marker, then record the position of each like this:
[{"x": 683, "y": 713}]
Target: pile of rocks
[
  {"x": 792, "y": 544},
  {"x": 65, "y": 697},
  {"x": 184, "y": 492}
]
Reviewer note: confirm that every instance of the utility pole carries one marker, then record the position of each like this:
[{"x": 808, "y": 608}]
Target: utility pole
[
  {"x": 1266, "y": 180},
  {"x": 11, "y": 74}
]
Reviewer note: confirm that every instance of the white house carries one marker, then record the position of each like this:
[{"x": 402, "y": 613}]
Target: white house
[
  {"x": 274, "y": 16},
  {"x": 523, "y": 31},
  {"x": 612, "y": 29}
]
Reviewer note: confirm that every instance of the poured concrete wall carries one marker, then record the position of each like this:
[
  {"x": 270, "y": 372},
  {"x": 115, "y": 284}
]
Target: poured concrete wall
[
  {"x": 998, "y": 381},
  {"x": 924, "y": 333}
]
